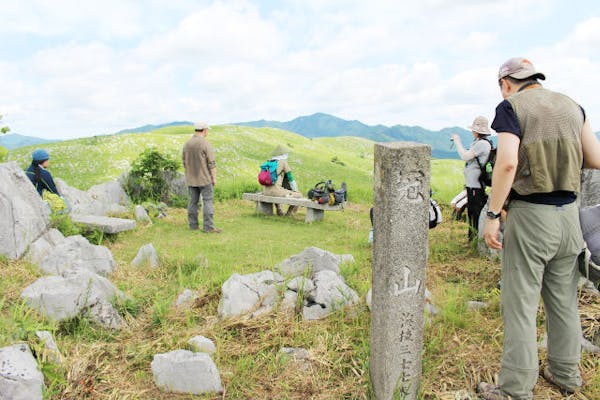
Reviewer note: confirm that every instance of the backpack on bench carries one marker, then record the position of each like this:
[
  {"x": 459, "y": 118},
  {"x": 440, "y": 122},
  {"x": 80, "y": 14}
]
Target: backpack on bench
[{"x": 325, "y": 193}]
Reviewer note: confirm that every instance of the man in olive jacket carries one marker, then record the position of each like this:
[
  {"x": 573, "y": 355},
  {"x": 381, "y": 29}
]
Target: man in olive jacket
[{"x": 200, "y": 176}]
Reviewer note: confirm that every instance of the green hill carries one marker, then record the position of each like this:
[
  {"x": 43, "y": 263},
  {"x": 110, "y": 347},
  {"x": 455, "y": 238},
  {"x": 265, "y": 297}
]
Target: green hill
[{"x": 85, "y": 162}]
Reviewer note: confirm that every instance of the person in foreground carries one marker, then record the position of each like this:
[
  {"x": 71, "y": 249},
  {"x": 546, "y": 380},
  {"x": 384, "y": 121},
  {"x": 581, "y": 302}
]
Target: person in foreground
[
  {"x": 477, "y": 155},
  {"x": 200, "y": 176},
  {"x": 285, "y": 186},
  {"x": 544, "y": 140},
  {"x": 38, "y": 172}
]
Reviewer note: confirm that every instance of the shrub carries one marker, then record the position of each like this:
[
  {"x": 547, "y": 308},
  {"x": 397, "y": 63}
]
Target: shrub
[{"x": 146, "y": 180}]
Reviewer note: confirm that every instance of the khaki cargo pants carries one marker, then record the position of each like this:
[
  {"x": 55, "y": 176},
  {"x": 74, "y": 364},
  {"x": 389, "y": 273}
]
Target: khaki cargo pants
[{"x": 541, "y": 244}]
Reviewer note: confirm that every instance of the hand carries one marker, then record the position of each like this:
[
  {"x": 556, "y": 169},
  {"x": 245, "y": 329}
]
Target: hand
[
  {"x": 455, "y": 137},
  {"x": 492, "y": 229}
]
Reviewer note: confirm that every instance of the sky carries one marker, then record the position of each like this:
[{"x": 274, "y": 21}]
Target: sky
[{"x": 73, "y": 69}]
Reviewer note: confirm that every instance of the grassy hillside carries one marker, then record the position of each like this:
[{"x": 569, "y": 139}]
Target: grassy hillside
[{"x": 85, "y": 162}]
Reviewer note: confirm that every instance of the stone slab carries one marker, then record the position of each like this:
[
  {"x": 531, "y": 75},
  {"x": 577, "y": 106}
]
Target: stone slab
[{"x": 105, "y": 224}]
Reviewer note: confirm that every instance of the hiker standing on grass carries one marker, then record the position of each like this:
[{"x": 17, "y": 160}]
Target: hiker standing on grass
[
  {"x": 478, "y": 154},
  {"x": 544, "y": 139},
  {"x": 284, "y": 179},
  {"x": 200, "y": 176}
]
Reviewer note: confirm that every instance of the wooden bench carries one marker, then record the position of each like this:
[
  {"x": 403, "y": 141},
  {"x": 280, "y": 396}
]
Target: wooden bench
[{"x": 314, "y": 210}]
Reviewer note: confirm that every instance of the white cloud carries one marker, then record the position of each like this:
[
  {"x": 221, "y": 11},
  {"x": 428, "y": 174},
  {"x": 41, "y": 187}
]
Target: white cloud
[{"x": 81, "y": 71}]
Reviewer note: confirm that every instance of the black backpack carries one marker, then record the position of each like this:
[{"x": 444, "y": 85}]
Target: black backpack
[
  {"x": 325, "y": 193},
  {"x": 486, "y": 169}
]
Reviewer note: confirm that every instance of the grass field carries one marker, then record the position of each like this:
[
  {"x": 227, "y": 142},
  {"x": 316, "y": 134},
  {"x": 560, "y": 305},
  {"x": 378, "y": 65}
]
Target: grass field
[{"x": 461, "y": 346}]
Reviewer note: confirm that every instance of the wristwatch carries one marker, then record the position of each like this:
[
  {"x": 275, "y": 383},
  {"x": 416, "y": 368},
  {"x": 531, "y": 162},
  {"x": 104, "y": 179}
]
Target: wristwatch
[{"x": 492, "y": 215}]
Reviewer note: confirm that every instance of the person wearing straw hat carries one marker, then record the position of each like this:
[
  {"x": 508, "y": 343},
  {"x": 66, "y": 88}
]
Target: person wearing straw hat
[
  {"x": 477, "y": 155},
  {"x": 285, "y": 186},
  {"x": 544, "y": 140}
]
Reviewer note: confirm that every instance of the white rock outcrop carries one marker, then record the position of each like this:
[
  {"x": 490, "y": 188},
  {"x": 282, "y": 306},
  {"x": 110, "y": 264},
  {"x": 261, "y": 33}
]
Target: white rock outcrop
[
  {"x": 23, "y": 214},
  {"x": 20, "y": 377},
  {"x": 182, "y": 371}
]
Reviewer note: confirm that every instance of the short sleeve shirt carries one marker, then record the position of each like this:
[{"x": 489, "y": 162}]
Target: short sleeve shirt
[{"x": 481, "y": 148}]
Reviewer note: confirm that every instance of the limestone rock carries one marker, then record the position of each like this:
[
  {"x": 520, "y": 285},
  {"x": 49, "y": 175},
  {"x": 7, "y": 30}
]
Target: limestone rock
[
  {"x": 146, "y": 256},
  {"x": 42, "y": 246},
  {"x": 23, "y": 214},
  {"x": 20, "y": 377},
  {"x": 313, "y": 258},
  {"x": 99, "y": 200},
  {"x": 50, "y": 352},
  {"x": 331, "y": 293},
  {"x": 64, "y": 297},
  {"x": 201, "y": 344},
  {"x": 244, "y": 293},
  {"x": 186, "y": 298},
  {"x": 104, "y": 224},
  {"x": 73, "y": 252},
  {"x": 181, "y": 371},
  {"x": 141, "y": 215}
]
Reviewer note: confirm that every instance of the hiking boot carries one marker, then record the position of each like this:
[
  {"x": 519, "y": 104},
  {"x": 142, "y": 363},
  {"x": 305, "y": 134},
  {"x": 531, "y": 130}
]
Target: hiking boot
[
  {"x": 213, "y": 230},
  {"x": 566, "y": 389},
  {"x": 488, "y": 391}
]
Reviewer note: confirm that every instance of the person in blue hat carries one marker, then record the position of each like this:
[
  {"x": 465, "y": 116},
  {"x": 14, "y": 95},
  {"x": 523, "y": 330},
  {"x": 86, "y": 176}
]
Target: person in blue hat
[{"x": 38, "y": 173}]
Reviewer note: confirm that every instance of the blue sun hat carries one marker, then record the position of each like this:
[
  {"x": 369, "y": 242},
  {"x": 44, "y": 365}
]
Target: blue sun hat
[{"x": 40, "y": 155}]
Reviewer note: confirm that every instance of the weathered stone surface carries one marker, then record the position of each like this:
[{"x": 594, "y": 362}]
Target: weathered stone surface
[
  {"x": 244, "y": 293},
  {"x": 300, "y": 283},
  {"x": 400, "y": 240},
  {"x": 201, "y": 344},
  {"x": 20, "y": 377},
  {"x": 146, "y": 257},
  {"x": 39, "y": 249},
  {"x": 590, "y": 187},
  {"x": 74, "y": 252},
  {"x": 331, "y": 293},
  {"x": 476, "y": 305},
  {"x": 186, "y": 299},
  {"x": 98, "y": 200},
  {"x": 104, "y": 224},
  {"x": 104, "y": 314},
  {"x": 50, "y": 352},
  {"x": 289, "y": 301},
  {"x": 141, "y": 215},
  {"x": 64, "y": 297},
  {"x": 181, "y": 371},
  {"x": 296, "y": 353},
  {"x": 311, "y": 258},
  {"x": 23, "y": 214}
]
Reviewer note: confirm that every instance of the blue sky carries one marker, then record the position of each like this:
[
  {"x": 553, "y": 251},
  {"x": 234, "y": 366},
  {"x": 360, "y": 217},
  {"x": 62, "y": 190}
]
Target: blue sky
[{"x": 80, "y": 68}]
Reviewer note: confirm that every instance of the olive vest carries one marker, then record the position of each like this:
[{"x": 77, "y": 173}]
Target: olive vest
[{"x": 550, "y": 153}]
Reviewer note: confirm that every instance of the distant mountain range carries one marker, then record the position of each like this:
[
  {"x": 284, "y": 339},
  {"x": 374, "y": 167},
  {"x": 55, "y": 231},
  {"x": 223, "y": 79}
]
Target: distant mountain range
[
  {"x": 14, "y": 141},
  {"x": 149, "y": 128},
  {"x": 321, "y": 125},
  {"x": 313, "y": 126}
]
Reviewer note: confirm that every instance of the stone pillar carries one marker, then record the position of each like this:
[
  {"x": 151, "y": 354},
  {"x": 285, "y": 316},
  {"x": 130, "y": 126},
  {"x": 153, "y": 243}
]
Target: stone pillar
[{"x": 400, "y": 245}]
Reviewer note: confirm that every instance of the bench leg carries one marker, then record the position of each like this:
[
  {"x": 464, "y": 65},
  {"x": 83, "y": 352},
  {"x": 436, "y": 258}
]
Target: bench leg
[
  {"x": 313, "y": 215},
  {"x": 264, "y": 208}
]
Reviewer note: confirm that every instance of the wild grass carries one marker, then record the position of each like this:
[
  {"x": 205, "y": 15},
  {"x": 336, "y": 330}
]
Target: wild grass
[
  {"x": 461, "y": 346},
  {"x": 240, "y": 150}
]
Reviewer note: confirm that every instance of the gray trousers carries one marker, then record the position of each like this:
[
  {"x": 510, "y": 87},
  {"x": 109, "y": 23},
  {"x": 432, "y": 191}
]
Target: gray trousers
[
  {"x": 541, "y": 244},
  {"x": 207, "y": 206}
]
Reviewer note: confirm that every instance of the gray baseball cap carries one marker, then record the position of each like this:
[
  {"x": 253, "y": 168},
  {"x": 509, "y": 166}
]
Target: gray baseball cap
[{"x": 519, "y": 68}]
